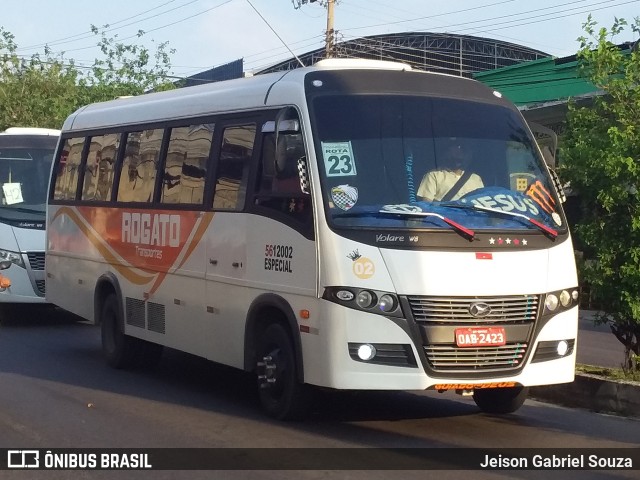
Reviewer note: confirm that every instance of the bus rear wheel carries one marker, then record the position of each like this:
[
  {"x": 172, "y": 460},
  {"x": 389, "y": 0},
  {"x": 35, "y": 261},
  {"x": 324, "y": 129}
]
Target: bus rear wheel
[
  {"x": 281, "y": 394},
  {"x": 500, "y": 400}
]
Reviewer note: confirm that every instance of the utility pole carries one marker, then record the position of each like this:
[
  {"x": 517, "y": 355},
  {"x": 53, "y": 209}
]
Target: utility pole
[
  {"x": 329, "y": 42},
  {"x": 331, "y": 33}
]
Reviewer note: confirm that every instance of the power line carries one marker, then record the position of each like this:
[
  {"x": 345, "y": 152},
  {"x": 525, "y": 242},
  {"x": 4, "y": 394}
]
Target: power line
[
  {"x": 585, "y": 9},
  {"x": 161, "y": 27},
  {"x": 89, "y": 34},
  {"x": 557, "y": 17},
  {"x": 431, "y": 16},
  {"x": 538, "y": 10},
  {"x": 491, "y": 25},
  {"x": 274, "y": 32}
]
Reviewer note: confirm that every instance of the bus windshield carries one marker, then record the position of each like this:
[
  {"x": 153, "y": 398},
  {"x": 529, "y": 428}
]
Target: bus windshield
[
  {"x": 25, "y": 164},
  {"x": 386, "y": 158}
]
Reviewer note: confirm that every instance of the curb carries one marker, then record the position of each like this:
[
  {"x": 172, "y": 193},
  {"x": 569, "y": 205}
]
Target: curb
[{"x": 593, "y": 393}]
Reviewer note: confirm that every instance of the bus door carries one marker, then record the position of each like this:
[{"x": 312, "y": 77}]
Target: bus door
[{"x": 226, "y": 242}]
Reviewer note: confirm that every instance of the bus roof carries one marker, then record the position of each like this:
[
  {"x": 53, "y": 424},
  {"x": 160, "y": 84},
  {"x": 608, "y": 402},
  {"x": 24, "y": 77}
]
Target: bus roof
[
  {"x": 30, "y": 131},
  {"x": 233, "y": 96}
]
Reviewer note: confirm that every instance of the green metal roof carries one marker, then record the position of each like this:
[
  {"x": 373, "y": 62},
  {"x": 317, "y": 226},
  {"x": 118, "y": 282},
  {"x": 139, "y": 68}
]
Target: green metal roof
[{"x": 538, "y": 81}]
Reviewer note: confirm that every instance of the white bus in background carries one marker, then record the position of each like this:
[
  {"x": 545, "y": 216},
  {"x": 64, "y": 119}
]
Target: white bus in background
[
  {"x": 25, "y": 167},
  {"x": 279, "y": 224}
]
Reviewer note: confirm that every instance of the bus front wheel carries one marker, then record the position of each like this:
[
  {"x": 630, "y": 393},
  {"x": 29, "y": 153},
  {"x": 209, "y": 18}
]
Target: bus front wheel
[
  {"x": 281, "y": 394},
  {"x": 118, "y": 348},
  {"x": 500, "y": 400}
]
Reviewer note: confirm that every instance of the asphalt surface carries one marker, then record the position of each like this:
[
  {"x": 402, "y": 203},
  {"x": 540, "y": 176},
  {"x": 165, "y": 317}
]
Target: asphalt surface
[{"x": 596, "y": 344}]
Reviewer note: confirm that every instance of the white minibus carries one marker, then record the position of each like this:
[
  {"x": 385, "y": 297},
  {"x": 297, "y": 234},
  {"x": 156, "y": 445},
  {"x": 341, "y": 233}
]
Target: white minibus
[
  {"x": 25, "y": 164},
  {"x": 353, "y": 225}
]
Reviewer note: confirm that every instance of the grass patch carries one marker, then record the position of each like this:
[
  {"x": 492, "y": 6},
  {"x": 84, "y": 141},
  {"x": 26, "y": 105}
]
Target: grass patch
[{"x": 610, "y": 373}]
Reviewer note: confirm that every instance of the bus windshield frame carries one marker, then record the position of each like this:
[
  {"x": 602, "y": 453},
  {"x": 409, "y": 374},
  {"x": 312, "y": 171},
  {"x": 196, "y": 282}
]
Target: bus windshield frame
[
  {"x": 382, "y": 156},
  {"x": 25, "y": 166}
]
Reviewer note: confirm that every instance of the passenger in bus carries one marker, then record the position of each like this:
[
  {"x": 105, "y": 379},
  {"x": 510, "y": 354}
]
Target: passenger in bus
[{"x": 453, "y": 180}]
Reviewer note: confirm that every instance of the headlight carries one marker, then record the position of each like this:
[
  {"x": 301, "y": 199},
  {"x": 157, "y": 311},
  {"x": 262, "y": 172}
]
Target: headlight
[
  {"x": 565, "y": 298},
  {"x": 365, "y": 299},
  {"x": 551, "y": 302},
  {"x": 372, "y": 301},
  {"x": 560, "y": 300},
  {"x": 386, "y": 303},
  {"x": 8, "y": 257}
]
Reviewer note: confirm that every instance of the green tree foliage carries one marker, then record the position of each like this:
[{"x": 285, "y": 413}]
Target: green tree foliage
[
  {"x": 42, "y": 90},
  {"x": 601, "y": 155}
]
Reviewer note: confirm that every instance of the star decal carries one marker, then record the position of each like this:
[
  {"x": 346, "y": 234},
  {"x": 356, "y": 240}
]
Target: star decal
[{"x": 492, "y": 241}]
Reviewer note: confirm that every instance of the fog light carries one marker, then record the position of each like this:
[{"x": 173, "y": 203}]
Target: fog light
[
  {"x": 386, "y": 303},
  {"x": 551, "y": 302},
  {"x": 366, "y": 352},
  {"x": 365, "y": 299},
  {"x": 563, "y": 348},
  {"x": 565, "y": 298}
]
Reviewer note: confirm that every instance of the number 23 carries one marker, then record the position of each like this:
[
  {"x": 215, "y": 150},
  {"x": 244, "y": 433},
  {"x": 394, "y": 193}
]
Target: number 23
[{"x": 342, "y": 165}]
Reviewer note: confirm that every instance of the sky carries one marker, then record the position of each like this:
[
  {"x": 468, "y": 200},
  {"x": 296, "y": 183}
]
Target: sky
[{"x": 210, "y": 33}]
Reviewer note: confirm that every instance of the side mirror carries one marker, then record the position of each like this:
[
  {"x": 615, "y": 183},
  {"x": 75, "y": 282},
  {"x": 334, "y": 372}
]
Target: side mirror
[{"x": 286, "y": 125}]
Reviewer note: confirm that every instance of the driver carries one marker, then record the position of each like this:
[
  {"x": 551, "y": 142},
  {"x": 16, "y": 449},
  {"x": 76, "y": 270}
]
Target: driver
[{"x": 449, "y": 182}]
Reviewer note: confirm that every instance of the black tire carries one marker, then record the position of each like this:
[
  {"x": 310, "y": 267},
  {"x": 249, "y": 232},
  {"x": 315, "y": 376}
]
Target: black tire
[
  {"x": 500, "y": 400},
  {"x": 119, "y": 349},
  {"x": 281, "y": 394}
]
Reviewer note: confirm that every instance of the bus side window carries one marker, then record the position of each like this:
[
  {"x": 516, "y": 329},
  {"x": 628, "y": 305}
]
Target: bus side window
[
  {"x": 185, "y": 169},
  {"x": 138, "y": 174},
  {"x": 68, "y": 166},
  {"x": 98, "y": 169},
  {"x": 281, "y": 191},
  {"x": 233, "y": 167}
]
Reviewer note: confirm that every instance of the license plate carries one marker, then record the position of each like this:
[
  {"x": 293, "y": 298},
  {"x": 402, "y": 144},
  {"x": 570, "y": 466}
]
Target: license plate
[{"x": 480, "y": 337}]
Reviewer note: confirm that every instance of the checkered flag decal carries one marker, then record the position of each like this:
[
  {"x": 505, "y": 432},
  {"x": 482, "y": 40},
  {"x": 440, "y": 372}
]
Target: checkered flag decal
[
  {"x": 303, "y": 175},
  {"x": 556, "y": 183},
  {"x": 344, "y": 196}
]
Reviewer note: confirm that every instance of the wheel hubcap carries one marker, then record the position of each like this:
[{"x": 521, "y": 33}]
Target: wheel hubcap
[{"x": 267, "y": 370}]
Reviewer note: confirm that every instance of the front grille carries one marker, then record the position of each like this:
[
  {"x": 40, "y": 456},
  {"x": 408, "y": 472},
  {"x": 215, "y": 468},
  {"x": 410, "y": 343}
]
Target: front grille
[
  {"x": 438, "y": 318},
  {"x": 36, "y": 260},
  {"x": 511, "y": 309},
  {"x": 40, "y": 286},
  {"x": 452, "y": 358}
]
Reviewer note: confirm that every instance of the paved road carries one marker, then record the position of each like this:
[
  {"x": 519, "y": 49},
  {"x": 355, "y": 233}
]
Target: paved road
[
  {"x": 57, "y": 392},
  {"x": 596, "y": 344}
]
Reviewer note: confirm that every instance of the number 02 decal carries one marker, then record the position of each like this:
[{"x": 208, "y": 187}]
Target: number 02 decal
[
  {"x": 364, "y": 268},
  {"x": 338, "y": 159}
]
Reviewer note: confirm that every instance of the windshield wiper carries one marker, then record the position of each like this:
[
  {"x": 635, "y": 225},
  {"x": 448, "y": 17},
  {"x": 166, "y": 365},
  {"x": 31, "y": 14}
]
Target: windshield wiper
[
  {"x": 548, "y": 231},
  {"x": 465, "y": 232}
]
